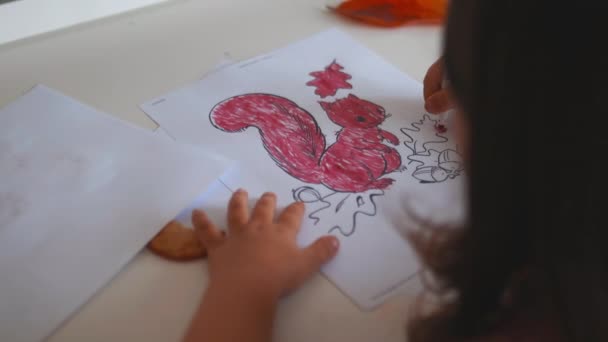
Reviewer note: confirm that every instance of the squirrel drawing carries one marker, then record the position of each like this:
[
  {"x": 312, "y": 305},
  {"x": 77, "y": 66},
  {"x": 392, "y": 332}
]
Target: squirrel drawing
[{"x": 356, "y": 162}]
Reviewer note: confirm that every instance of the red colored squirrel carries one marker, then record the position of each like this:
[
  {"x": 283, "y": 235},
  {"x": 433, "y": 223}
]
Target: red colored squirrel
[{"x": 354, "y": 163}]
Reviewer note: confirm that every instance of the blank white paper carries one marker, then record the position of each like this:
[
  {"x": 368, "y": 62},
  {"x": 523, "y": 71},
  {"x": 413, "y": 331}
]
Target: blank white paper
[{"x": 81, "y": 194}]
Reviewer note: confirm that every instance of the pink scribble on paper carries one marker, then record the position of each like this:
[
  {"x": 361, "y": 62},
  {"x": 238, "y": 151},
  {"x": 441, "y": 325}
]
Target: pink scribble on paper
[{"x": 356, "y": 162}]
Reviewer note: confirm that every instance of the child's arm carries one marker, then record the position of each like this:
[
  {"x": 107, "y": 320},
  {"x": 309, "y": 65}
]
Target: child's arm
[
  {"x": 251, "y": 268},
  {"x": 229, "y": 314}
]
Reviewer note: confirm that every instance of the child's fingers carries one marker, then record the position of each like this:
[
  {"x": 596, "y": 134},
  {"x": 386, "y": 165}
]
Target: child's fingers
[
  {"x": 433, "y": 79},
  {"x": 205, "y": 230},
  {"x": 438, "y": 103},
  {"x": 238, "y": 210},
  {"x": 319, "y": 253},
  {"x": 264, "y": 209},
  {"x": 291, "y": 217}
]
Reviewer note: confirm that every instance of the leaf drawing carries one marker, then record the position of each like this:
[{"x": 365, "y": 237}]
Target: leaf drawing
[{"x": 328, "y": 81}]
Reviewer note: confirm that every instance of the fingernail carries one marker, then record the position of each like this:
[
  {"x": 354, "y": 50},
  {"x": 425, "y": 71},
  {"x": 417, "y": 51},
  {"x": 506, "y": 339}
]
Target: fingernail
[
  {"x": 269, "y": 194},
  {"x": 239, "y": 190},
  {"x": 335, "y": 243}
]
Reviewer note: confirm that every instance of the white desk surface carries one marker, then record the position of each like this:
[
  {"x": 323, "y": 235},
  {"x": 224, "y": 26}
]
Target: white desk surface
[{"x": 116, "y": 63}]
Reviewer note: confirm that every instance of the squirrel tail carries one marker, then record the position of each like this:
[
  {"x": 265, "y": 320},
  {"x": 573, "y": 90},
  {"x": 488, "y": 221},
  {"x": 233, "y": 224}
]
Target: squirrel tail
[{"x": 289, "y": 133}]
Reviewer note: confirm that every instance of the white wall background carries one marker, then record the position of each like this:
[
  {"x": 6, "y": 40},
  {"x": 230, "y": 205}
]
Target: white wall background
[{"x": 26, "y": 18}]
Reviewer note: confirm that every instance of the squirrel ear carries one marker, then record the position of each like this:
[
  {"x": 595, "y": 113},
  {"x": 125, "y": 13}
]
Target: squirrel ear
[
  {"x": 352, "y": 96},
  {"x": 325, "y": 105}
]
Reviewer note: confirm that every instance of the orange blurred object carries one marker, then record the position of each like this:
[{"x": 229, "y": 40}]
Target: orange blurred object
[{"x": 391, "y": 13}]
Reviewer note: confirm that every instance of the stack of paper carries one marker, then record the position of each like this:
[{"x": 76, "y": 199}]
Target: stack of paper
[
  {"x": 328, "y": 122},
  {"x": 81, "y": 194}
]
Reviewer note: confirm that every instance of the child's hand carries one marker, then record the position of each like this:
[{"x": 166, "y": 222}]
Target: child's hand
[
  {"x": 259, "y": 254},
  {"x": 436, "y": 97}
]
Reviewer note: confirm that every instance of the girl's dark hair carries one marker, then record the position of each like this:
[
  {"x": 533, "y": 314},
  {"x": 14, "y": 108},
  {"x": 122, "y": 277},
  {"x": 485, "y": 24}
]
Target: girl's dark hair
[{"x": 531, "y": 78}]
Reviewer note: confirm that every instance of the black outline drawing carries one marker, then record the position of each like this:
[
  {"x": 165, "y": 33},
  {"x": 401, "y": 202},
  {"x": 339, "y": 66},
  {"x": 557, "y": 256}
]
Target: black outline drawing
[
  {"x": 437, "y": 164},
  {"x": 299, "y": 194}
]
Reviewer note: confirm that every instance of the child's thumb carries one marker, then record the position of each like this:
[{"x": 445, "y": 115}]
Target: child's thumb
[{"x": 320, "y": 252}]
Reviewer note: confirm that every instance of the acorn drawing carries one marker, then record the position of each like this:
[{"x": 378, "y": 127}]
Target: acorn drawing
[
  {"x": 431, "y": 174},
  {"x": 449, "y": 165},
  {"x": 450, "y": 160}
]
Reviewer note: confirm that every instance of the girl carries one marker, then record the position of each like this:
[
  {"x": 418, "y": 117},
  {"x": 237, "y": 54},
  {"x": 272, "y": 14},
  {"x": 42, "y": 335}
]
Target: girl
[{"x": 528, "y": 81}]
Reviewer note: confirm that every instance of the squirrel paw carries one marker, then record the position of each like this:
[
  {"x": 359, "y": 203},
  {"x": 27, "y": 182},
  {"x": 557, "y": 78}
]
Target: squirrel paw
[{"x": 402, "y": 168}]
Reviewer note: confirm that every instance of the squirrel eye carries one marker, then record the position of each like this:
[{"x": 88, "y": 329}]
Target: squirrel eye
[{"x": 360, "y": 118}]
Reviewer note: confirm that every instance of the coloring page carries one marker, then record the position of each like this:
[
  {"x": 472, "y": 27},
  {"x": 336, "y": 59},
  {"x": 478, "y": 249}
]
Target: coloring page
[{"x": 327, "y": 122}]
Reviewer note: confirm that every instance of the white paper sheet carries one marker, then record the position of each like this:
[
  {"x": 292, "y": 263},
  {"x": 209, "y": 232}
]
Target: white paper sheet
[
  {"x": 374, "y": 261},
  {"x": 215, "y": 198},
  {"x": 81, "y": 194}
]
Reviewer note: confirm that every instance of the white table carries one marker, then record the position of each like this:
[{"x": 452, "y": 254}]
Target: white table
[{"x": 116, "y": 63}]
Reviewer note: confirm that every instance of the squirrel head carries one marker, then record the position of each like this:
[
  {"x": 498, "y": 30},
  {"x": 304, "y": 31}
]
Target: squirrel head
[{"x": 352, "y": 112}]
